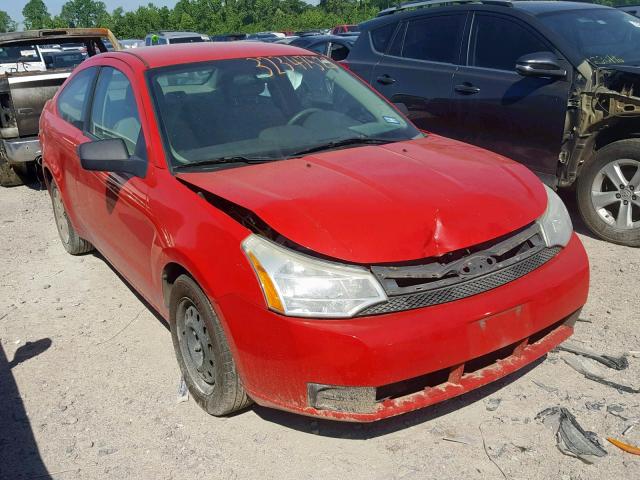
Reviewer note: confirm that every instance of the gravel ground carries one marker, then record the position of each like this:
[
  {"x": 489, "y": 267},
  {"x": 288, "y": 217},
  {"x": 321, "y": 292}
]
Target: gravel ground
[{"x": 88, "y": 388}]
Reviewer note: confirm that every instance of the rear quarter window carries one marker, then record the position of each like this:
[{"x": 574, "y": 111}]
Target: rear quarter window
[
  {"x": 72, "y": 101},
  {"x": 381, "y": 37}
]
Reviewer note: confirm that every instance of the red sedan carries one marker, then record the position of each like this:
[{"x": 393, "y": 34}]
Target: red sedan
[{"x": 310, "y": 248}]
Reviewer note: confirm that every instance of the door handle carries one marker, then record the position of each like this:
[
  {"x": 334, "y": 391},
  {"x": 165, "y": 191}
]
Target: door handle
[
  {"x": 466, "y": 88},
  {"x": 386, "y": 79}
]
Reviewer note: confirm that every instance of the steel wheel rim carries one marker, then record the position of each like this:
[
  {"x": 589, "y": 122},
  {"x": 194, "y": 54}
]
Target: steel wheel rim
[
  {"x": 615, "y": 194},
  {"x": 61, "y": 217},
  {"x": 196, "y": 347}
]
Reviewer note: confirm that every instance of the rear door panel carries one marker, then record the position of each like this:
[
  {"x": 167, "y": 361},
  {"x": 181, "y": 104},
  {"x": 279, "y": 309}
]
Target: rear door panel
[{"x": 424, "y": 86}]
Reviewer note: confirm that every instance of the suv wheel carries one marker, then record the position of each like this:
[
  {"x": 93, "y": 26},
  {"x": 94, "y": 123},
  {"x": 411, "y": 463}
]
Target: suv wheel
[{"x": 609, "y": 193}]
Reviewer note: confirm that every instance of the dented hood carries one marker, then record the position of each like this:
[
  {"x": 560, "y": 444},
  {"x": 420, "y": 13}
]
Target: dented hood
[{"x": 390, "y": 203}]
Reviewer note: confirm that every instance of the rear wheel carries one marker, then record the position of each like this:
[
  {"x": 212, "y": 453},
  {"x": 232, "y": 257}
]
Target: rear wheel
[
  {"x": 203, "y": 352},
  {"x": 70, "y": 239},
  {"x": 609, "y": 193}
]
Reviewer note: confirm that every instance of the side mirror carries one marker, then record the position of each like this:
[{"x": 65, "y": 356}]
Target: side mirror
[
  {"x": 110, "y": 155},
  {"x": 540, "y": 64}
]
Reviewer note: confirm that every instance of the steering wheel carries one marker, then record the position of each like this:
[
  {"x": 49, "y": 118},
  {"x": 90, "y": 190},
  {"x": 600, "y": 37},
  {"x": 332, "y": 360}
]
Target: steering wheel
[{"x": 302, "y": 115}]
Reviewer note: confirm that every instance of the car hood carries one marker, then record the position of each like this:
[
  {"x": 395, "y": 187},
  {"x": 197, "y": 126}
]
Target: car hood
[{"x": 383, "y": 204}]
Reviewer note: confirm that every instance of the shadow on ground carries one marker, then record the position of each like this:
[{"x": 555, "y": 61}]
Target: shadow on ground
[
  {"x": 569, "y": 199},
  {"x": 19, "y": 455},
  {"x": 355, "y": 431}
]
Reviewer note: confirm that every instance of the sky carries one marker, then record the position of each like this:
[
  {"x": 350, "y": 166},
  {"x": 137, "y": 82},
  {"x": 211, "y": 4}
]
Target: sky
[{"x": 14, "y": 7}]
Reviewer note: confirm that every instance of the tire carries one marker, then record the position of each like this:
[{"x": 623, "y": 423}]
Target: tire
[
  {"x": 11, "y": 176},
  {"x": 71, "y": 241},
  {"x": 203, "y": 352},
  {"x": 609, "y": 211}
]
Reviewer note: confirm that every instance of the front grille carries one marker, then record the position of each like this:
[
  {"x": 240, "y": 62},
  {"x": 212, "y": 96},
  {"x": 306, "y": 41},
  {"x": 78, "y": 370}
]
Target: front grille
[{"x": 464, "y": 289}]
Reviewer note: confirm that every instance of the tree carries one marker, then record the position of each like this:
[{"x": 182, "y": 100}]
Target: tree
[
  {"x": 84, "y": 13},
  {"x": 6, "y": 23},
  {"x": 36, "y": 15}
]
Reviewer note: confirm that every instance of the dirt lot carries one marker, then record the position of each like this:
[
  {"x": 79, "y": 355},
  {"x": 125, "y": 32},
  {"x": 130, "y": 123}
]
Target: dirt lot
[{"x": 93, "y": 395}]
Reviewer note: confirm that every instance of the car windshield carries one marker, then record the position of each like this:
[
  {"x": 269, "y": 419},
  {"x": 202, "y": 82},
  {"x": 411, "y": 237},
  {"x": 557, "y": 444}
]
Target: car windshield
[
  {"x": 268, "y": 109},
  {"x": 603, "y": 36},
  {"x": 353, "y": 28},
  {"x": 19, "y": 53}
]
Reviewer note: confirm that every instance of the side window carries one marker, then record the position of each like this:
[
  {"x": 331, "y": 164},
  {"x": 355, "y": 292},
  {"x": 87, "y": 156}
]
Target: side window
[
  {"x": 436, "y": 39},
  {"x": 72, "y": 101},
  {"x": 114, "y": 113},
  {"x": 338, "y": 52},
  {"x": 498, "y": 42},
  {"x": 320, "y": 48},
  {"x": 381, "y": 37}
]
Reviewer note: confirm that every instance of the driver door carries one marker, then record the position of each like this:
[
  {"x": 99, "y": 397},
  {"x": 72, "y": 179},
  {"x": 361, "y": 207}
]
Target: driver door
[
  {"x": 519, "y": 117},
  {"x": 118, "y": 204}
]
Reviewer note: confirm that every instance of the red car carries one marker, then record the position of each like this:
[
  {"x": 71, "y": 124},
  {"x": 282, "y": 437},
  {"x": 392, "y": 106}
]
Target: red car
[
  {"x": 310, "y": 248},
  {"x": 342, "y": 29}
]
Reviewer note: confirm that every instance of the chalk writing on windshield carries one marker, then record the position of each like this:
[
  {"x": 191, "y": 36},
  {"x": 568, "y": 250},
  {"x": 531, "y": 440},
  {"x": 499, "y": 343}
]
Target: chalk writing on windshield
[{"x": 270, "y": 66}]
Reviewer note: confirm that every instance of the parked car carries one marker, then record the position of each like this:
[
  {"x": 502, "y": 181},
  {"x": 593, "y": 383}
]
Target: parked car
[
  {"x": 25, "y": 86},
  {"x": 337, "y": 30},
  {"x": 265, "y": 36},
  {"x": 306, "y": 33},
  {"x": 310, "y": 249},
  {"x": 334, "y": 47},
  {"x": 287, "y": 40},
  {"x": 229, "y": 37},
  {"x": 63, "y": 60},
  {"x": 552, "y": 85},
  {"x": 166, "y": 38},
  {"x": 74, "y": 47},
  {"x": 131, "y": 43}
]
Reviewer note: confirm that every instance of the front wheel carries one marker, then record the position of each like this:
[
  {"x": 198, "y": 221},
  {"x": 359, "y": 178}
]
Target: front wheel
[
  {"x": 202, "y": 350},
  {"x": 608, "y": 193}
]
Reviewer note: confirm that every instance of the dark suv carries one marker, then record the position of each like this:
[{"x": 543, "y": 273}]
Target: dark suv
[{"x": 550, "y": 84}]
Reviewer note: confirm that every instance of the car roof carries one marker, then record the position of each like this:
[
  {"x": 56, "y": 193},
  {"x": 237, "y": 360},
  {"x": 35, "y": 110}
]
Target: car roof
[
  {"x": 324, "y": 38},
  {"x": 535, "y": 8},
  {"x": 55, "y": 34},
  {"x": 176, "y": 54}
]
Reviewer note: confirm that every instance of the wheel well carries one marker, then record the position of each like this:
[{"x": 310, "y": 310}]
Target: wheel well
[
  {"x": 170, "y": 273},
  {"x": 621, "y": 129}
]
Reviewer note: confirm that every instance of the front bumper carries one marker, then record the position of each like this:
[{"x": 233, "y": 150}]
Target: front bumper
[
  {"x": 451, "y": 348},
  {"x": 21, "y": 150}
]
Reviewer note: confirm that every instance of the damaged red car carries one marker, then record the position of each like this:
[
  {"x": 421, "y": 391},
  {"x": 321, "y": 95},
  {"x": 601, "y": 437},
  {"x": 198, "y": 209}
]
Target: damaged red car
[{"x": 311, "y": 250}]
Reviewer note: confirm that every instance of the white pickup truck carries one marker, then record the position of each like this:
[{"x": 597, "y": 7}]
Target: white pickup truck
[{"x": 29, "y": 77}]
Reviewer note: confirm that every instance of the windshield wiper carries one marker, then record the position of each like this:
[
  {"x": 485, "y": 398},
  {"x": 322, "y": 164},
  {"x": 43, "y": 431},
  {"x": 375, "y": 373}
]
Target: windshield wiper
[
  {"x": 342, "y": 143},
  {"x": 221, "y": 161}
]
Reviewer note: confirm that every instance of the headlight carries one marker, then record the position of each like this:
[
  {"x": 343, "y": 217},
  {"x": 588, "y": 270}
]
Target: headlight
[
  {"x": 556, "y": 222},
  {"x": 302, "y": 286}
]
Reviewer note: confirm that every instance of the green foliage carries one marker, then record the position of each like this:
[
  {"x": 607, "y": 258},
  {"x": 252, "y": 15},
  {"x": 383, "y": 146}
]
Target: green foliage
[
  {"x": 211, "y": 16},
  {"x": 206, "y": 16},
  {"x": 6, "y": 24},
  {"x": 36, "y": 15},
  {"x": 84, "y": 13}
]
